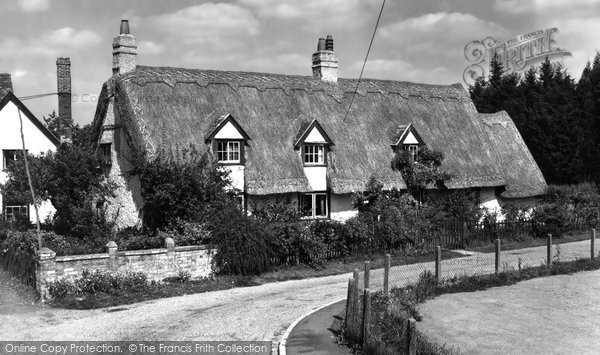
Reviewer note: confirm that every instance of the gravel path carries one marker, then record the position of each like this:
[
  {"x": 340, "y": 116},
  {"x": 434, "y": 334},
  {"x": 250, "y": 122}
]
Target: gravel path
[{"x": 251, "y": 313}]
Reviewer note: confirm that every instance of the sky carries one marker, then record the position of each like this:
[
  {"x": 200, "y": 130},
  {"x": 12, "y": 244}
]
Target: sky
[{"x": 417, "y": 40}]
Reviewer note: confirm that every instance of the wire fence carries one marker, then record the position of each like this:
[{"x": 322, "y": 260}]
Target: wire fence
[{"x": 365, "y": 282}]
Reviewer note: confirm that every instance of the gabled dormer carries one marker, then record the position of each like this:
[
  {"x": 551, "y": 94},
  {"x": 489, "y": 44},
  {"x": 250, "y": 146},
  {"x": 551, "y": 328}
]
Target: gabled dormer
[
  {"x": 314, "y": 143},
  {"x": 228, "y": 140},
  {"x": 408, "y": 140}
]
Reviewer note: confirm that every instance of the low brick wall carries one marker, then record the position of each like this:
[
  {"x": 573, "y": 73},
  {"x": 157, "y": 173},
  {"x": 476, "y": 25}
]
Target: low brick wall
[{"x": 157, "y": 264}]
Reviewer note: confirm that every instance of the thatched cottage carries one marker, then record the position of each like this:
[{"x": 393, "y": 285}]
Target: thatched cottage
[{"x": 288, "y": 135}]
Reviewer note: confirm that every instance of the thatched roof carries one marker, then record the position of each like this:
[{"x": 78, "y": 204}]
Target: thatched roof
[
  {"x": 164, "y": 106},
  {"x": 522, "y": 174}
]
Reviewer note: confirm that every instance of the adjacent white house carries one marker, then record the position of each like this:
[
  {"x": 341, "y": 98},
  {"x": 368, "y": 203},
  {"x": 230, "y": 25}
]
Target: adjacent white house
[
  {"x": 290, "y": 136},
  {"x": 38, "y": 140}
]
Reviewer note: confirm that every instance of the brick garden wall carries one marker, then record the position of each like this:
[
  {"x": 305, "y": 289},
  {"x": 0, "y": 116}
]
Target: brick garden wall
[{"x": 157, "y": 264}]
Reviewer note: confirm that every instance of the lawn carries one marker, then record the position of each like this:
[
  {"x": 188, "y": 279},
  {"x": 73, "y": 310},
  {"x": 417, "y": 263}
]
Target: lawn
[{"x": 555, "y": 314}]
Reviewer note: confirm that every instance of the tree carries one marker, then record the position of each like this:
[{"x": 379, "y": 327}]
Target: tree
[
  {"x": 182, "y": 185},
  {"x": 545, "y": 106},
  {"x": 424, "y": 171},
  {"x": 73, "y": 179}
]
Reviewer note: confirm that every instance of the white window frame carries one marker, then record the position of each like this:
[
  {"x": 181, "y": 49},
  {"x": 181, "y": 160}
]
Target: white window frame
[
  {"x": 413, "y": 149},
  {"x": 313, "y": 197},
  {"x": 228, "y": 149},
  {"x": 313, "y": 154},
  {"x": 4, "y": 156},
  {"x": 12, "y": 208}
]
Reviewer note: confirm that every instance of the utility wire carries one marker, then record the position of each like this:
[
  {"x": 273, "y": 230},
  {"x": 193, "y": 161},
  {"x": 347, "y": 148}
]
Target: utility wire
[
  {"x": 365, "y": 61},
  {"x": 36, "y": 96}
]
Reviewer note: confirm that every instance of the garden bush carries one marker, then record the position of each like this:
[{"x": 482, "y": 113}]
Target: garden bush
[
  {"x": 27, "y": 240},
  {"x": 94, "y": 281},
  {"x": 245, "y": 246}
]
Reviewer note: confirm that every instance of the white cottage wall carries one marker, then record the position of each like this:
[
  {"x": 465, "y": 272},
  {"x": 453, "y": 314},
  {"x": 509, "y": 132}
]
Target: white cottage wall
[{"x": 36, "y": 142}]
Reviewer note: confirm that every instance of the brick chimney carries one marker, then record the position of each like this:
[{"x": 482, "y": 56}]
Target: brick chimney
[
  {"x": 124, "y": 50},
  {"x": 5, "y": 84},
  {"x": 63, "y": 88},
  {"x": 324, "y": 61}
]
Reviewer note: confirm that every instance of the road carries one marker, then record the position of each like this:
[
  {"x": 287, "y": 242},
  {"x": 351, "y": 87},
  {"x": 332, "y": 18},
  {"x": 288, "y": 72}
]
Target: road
[{"x": 249, "y": 313}]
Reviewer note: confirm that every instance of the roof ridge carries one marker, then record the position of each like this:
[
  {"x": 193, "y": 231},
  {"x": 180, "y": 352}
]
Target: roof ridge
[{"x": 142, "y": 70}]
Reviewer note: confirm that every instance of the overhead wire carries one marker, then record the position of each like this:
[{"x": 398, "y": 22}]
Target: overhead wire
[{"x": 365, "y": 61}]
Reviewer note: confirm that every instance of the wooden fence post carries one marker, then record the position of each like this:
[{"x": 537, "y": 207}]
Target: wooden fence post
[
  {"x": 366, "y": 318},
  {"x": 497, "y": 256},
  {"x": 367, "y": 274},
  {"x": 592, "y": 240},
  {"x": 356, "y": 311},
  {"x": 410, "y": 337},
  {"x": 386, "y": 275},
  {"x": 549, "y": 250},
  {"x": 438, "y": 262},
  {"x": 355, "y": 275},
  {"x": 349, "y": 304}
]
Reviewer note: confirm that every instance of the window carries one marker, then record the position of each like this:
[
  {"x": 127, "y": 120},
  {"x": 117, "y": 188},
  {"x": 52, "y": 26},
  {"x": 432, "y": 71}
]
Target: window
[
  {"x": 105, "y": 151},
  {"x": 314, "y": 154},
  {"x": 412, "y": 150},
  {"x": 228, "y": 151},
  {"x": 12, "y": 211},
  {"x": 314, "y": 205},
  {"x": 10, "y": 156}
]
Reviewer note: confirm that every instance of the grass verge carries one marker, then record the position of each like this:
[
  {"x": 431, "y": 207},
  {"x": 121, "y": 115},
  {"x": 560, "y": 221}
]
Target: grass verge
[{"x": 389, "y": 316}]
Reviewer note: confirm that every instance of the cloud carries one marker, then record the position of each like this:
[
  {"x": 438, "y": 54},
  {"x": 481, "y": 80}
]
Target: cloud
[
  {"x": 149, "y": 47},
  {"x": 20, "y": 73},
  {"x": 395, "y": 69},
  {"x": 314, "y": 15},
  {"x": 33, "y": 5},
  {"x": 70, "y": 37},
  {"x": 539, "y": 7},
  {"x": 428, "y": 32},
  {"x": 206, "y": 23}
]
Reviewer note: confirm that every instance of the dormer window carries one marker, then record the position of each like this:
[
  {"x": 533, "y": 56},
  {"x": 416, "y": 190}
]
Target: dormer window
[
  {"x": 228, "y": 151},
  {"x": 314, "y": 154},
  {"x": 228, "y": 140},
  {"x": 408, "y": 140},
  {"x": 314, "y": 144}
]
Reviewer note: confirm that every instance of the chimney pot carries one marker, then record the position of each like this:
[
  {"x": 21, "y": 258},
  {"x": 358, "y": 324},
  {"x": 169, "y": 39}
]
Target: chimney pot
[
  {"x": 329, "y": 43},
  {"x": 124, "y": 51},
  {"x": 124, "y": 30},
  {"x": 324, "y": 61},
  {"x": 321, "y": 44}
]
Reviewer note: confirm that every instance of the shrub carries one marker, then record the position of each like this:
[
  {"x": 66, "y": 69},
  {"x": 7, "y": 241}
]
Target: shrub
[
  {"x": 181, "y": 184},
  {"x": 183, "y": 276},
  {"x": 186, "y": 233},
  {"x": 550, "y": 219},
  {"x": 132, "y": 238},
  {"x": 361, "y": 230},
  {"x": 94, "y": 281},
  {"x": 245, "y": 246},
  {"x": 27, "y": 240},
  {"x": 60, "y": 288}
]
